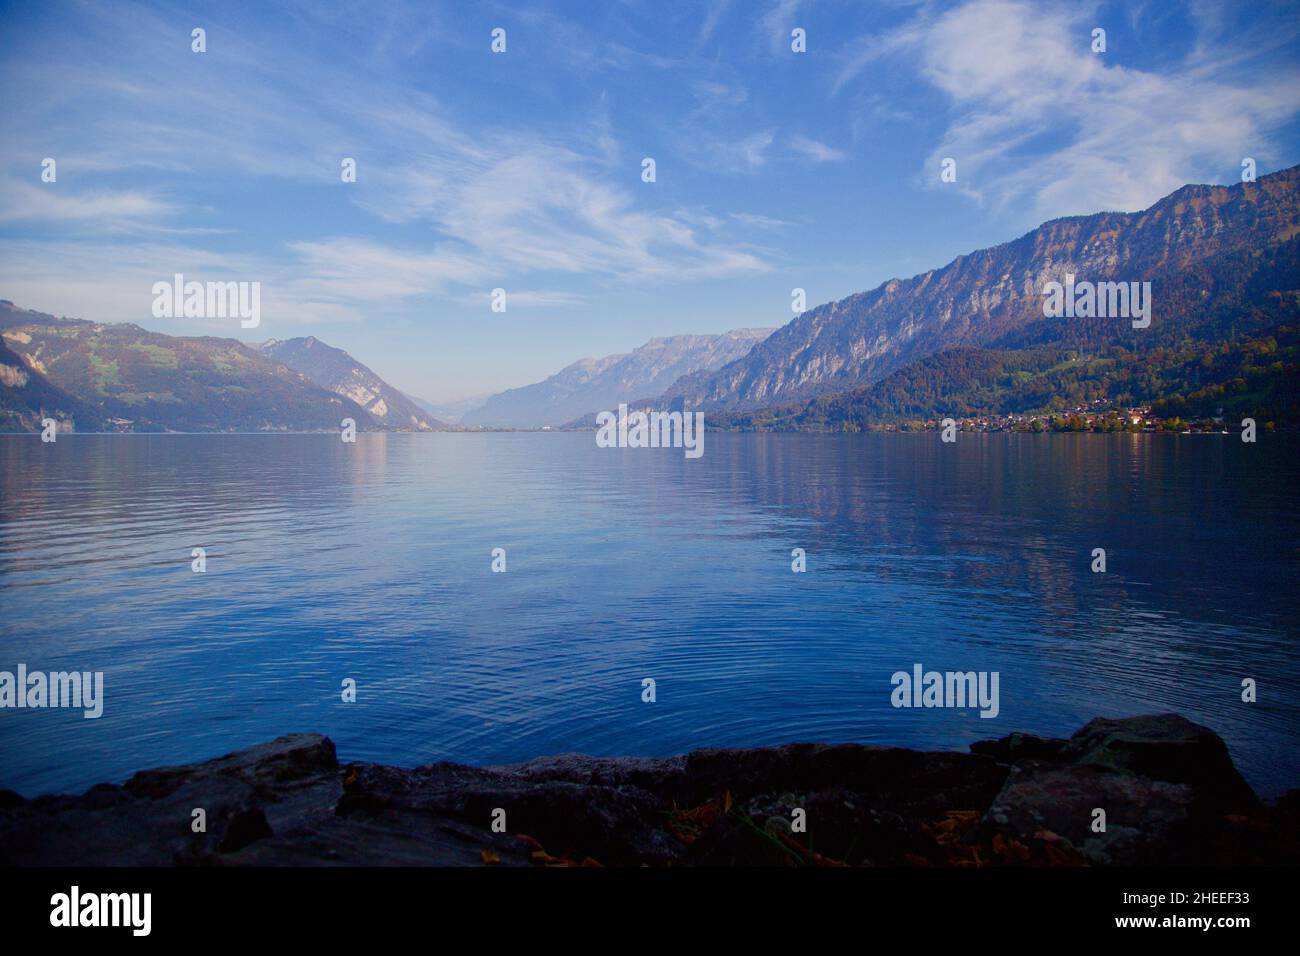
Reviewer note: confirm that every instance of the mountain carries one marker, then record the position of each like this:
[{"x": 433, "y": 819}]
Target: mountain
[
  {"x": 27, "y": 398},
  {"x": 337, "y": 371},
  {"x": 993, "y": 298},
  {"x": 122, "y": 377},
  {"x": 452, "y": 412},
  {"x": 1256, "y": 377},
  {"x": 1234, "y": 345},
  {"x": 592, "y": 384}
]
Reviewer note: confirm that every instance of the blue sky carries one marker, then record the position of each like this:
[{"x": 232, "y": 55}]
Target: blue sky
[{"x": 522, "y": 170}]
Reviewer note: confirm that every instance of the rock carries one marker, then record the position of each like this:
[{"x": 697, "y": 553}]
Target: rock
[
  {"x": 1164, "y": 747},
  {"x": 282, "y": 762},
  {"x": 889, "y": 777},
  {"x": 1164, "y": 782},
  {"x": 148, "y": 821},
  {"x": 246, "y": 826},
  {"x": 1147, "y": 821},
  {"x": 1017, "y": 747},
  {"x": 1167, "y": 785},
  {"x": 658, "y": 774},
  {"x": 1289, "y": 803}
]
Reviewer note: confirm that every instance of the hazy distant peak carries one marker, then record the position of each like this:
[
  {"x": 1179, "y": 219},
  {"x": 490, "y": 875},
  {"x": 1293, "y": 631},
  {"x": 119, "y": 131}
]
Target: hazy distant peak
[{"x": 592, "y": 384}]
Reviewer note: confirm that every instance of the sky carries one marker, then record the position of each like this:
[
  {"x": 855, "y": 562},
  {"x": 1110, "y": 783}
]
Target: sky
[{"x": 522, "y": 170}]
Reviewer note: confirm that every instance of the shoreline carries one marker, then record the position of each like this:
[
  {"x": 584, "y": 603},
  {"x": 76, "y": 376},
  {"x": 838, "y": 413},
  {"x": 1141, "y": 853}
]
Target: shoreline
[
  {"x": 1285, "y": 429},
  {"x": 1151, "y": 790}
]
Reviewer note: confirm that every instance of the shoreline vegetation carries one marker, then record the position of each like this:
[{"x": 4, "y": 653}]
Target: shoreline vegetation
[
  {"x": 1136, "y": 791},
  {"x": 1109, "y": 423}
]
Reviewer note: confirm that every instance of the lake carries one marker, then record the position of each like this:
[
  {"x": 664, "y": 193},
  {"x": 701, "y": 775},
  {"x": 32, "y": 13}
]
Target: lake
[{"x": 328, "y": 561}]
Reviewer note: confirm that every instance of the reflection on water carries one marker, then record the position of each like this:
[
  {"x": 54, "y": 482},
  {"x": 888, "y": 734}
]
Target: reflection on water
[{"x": 372, "y": 561}]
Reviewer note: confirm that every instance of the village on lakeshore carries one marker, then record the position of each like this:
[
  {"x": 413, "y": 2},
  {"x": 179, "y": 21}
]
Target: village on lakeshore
[{"x": 1098, "y": 416}]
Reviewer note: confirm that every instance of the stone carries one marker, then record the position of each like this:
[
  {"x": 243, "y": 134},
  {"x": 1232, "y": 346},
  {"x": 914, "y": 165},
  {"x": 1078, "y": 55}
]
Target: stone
[{"x": 1168, "y": 786}]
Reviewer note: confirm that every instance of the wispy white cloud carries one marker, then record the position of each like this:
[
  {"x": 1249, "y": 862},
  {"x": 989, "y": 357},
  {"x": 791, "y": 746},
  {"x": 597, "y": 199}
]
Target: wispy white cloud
[
  {"x": 866, "y": 50},
  {"x": 713, "y": 95},
  {"x": 743, "y": 154},
  {"x": 534, "y": 207},
  {"x": 759, "y": 222},
  {"x": 775, "y": 25},
  {"x": 26, "y": 202},
  {"x": 526, "y": 298},
  {"x": 500, "y": 205},
  {"x": 1039, "y": 118},
  {"x": 815, "y": 150},
  {"x": 85, "y": 278},
  {"x": 715, "y": 11},
  {"x": 362, "y": 270}
]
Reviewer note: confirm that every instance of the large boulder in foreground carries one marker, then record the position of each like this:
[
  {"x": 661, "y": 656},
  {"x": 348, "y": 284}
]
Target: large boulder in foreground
[
  {"x": 1145, "y": 820},
  {"x": 1164, "y": 747},
  {"x": 1168, "y": 788},
  {"x": 1145, "y": 790}
]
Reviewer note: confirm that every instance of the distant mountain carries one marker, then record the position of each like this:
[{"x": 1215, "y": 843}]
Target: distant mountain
[
  {"x": 123, "y": 377},
  {"x": 592, "y": 384},
  {"x": 452, "y": 412},
  {"x": 992, "y": 298},
  {"x": 334, "y": 369}
]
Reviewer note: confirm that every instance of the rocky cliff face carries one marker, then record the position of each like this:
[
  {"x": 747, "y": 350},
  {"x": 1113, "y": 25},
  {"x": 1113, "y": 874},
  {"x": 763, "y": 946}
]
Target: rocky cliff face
[
  {"x": 993, "y": 297},
  {"x": 1168, "y": 786},
  {"x": 336, "y": 371},
  {"x": 595, "y": 384}
]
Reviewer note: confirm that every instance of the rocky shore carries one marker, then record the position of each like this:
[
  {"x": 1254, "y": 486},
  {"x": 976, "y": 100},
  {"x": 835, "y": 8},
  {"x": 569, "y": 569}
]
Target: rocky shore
[{"x": 1167, "y": 786}]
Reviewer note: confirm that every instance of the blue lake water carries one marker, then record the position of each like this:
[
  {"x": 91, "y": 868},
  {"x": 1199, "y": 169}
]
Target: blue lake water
[{"x": 373, "y": 562}]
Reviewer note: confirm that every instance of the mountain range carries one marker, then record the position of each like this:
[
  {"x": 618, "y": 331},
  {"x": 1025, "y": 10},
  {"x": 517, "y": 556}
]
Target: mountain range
[
  {"x": 595, "y": 384},
  {"x": 970, "y": 338},
  {"x": 452, "y": 411},
  {"x": 1221, "y": 261},
  {"x": 93, "y": 376}
]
